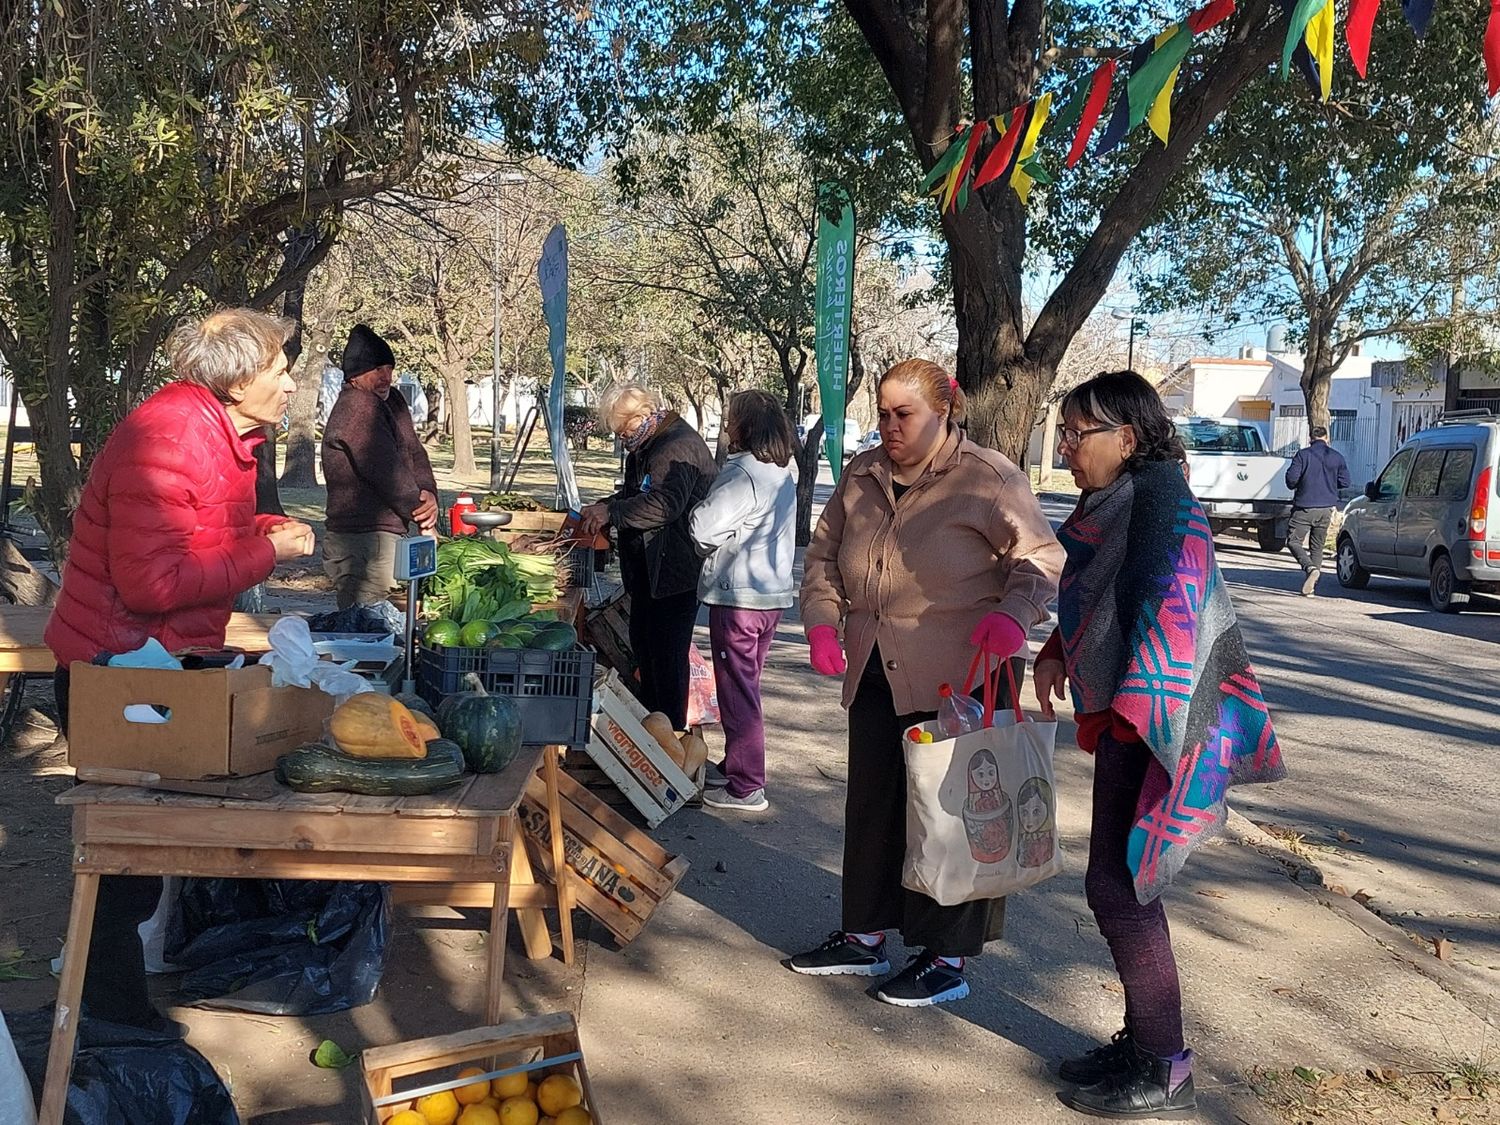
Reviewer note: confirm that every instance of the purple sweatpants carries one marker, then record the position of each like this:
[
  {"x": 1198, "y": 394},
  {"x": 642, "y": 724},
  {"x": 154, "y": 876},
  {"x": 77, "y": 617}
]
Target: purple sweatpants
[
  {"x": 1138, "y": 937},
  {"x": 741, "y": 638}
]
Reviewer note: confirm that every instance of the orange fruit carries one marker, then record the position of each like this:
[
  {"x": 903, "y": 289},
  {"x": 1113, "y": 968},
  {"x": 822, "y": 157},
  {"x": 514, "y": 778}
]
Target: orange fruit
[
  {"x": 511, "y": 1086},
  {"x": 519, "y": 1111},
  {"x": 407, "y": 1117},
  {"x": 557, "y": 1093},
  {"x": 438, "y": 1109},
  {"x": 479, "y": 1114},
  {"x": 474, "y": 1092},
  {"x": 574, "y": 1115}
]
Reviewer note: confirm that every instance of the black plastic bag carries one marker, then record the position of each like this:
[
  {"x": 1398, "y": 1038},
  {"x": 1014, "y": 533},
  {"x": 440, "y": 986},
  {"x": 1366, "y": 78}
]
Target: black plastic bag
[
  {"x": 125, "y": 1074},
  {"x": 382, "y": 617},
  {"x": 282, "y": 947}
]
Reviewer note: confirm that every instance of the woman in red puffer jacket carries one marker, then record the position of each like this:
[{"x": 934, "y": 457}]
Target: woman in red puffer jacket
[{"x": 164, "y": 538}]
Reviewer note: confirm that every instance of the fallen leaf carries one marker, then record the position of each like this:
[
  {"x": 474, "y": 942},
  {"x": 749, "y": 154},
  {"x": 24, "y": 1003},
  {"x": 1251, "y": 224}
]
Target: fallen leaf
[
  {"x": 1113, "y": 986},
  {"x": 1213, "y": 894},
  {"x": 1384, "y": 1074},
  {"x": 1345, "y": 838},
  {"x": 1443, "y": 1113},
  {"x": 330, "y": 1056},
  {"x": 1307, "y": 1074},
  {"x": 1284, "y": 991},
  {"x": 1443, "y": 948},
  {"x": 1362, "y": 897},
  {"x": 1339, "y": 889},
  {"x": 1330, "y": 1082}
]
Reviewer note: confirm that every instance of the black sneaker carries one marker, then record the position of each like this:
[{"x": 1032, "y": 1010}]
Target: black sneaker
[
  {"x": 842, "y": 955},
  {"x": 1101, "y": 1062},
  {"x": 1145, "y": 1088},
  {"x": 926, "y": 980}
]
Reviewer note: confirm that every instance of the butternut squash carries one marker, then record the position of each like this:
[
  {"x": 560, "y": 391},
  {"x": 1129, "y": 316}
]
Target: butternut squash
[
  {"x": 694, "y": 753},
  {"x": 371, "y": 725},
  {"x": 659, "y": 727}
]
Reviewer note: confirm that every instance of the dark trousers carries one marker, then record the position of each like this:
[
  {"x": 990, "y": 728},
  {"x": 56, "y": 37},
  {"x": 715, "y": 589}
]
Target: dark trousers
[
  {"x": 661, "y": 632},
  {"x": 1138, "y": 937},
  {"x": 114, "y": 983},
  {"x": 875, "y": 837},
  {"x": 1309, "y": 526},
  {"x": 741, "y": 639}
]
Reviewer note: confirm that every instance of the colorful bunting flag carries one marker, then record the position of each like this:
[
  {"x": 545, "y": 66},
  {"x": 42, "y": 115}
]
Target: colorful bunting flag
[
  {"x": 1157, "y": 75},
  {"x": 999, "y": 159},
  {"x": 1020, "y": 178},
  {"x": 1492, "y": 48},
  {"x": 1210, "y": 16},
  {"x": 1302, "y": 13},
  {"x": 1301, "y": 57},
  {"x": 977, "y": 133},
  {"x": 1093, "y": 109},
  {"x": 1358, "y": 30},
  {"x": 935, "y": 179},
  {"x": 1319, "y": 39},
  {"x": 1119, "y": 120},
  {"x": 1418, "y": 14}
]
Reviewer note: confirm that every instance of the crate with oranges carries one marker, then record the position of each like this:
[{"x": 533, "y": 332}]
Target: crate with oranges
[{"x": 528, "y": 1072}]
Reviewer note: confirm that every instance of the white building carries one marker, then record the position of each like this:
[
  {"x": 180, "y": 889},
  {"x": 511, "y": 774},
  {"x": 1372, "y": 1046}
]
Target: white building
[{"x": 1374, "y": 405}]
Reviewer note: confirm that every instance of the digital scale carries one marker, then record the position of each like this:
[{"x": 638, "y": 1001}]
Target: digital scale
[{"x": 416, "y": 559}]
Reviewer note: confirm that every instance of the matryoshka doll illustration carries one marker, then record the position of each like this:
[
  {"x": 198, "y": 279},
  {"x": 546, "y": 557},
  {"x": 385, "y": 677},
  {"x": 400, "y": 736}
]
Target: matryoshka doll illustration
[
  {"x": 988, "y": 815},
  {"x": 1034, "y": 805}
]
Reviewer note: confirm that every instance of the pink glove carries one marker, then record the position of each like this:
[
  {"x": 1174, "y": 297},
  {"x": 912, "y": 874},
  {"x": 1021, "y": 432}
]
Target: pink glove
[
  {"x": 826, "y": 655},
  {"x": 999, "y": 635}
]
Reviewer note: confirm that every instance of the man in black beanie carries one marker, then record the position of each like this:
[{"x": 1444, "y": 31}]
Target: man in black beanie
[{"x": 378, "y": 474}]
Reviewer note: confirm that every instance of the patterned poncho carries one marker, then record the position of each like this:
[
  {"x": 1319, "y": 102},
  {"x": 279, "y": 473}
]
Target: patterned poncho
[{"x": 1149, "y": 633}]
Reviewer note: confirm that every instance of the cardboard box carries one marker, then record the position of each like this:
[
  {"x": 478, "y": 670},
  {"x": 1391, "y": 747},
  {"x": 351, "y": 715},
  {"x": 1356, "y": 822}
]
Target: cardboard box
[{"x": 221, "y": 722}]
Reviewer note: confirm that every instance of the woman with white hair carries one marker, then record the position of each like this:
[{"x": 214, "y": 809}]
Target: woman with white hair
[
  {"x": 668, "y": 470},
  {"x": 164, "y": 538}
]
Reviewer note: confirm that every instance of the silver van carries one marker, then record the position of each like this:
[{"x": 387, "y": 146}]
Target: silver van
[{"x": 1434, "y": 513}]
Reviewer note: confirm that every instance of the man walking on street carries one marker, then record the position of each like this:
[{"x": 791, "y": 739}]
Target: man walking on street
[{"x": 1315, "y": 476}]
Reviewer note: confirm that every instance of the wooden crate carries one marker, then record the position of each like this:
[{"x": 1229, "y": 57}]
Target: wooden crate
[
  {"x": 540, "y": 1045},
  {"x": 606, "y": 629},
  {"x": 633, "y": 759},
  {"x": 622, "y": 874}
]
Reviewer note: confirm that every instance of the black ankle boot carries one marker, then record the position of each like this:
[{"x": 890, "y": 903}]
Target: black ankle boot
[
  {"x": 1144, "y": 1088},
  {"x": 1101, "y": 1062}
]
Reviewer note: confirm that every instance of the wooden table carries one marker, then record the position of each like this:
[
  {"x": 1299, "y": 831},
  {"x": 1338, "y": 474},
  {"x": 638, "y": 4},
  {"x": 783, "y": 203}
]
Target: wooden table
[
  {"x": 23, "y": 650},
  {"x": 466, "y": 835}
]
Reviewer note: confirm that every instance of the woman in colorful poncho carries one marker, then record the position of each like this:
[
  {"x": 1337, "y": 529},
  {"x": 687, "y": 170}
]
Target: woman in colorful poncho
[{"x": 1166, "y": 701}]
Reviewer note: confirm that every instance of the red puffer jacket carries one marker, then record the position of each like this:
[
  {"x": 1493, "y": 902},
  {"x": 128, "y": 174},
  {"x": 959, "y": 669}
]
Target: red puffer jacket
[{"x": 166, "y": 534}]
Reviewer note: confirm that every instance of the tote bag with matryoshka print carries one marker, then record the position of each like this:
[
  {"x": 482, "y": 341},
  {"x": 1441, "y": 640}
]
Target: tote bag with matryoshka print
[{"x": 981, "y": 809}]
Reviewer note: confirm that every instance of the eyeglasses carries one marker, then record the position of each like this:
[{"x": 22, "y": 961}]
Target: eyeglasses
[{"x": 1066, "y": 435}]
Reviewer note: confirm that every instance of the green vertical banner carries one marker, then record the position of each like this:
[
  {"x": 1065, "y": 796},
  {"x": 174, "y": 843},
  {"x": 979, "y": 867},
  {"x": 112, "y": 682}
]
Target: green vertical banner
[
  {"x": 835, "y": 297},
  {"x": 552, "y": 276}
]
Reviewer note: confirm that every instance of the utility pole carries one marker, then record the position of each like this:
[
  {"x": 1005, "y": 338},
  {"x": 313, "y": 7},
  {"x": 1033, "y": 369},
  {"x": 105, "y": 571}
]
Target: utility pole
[
  {"x": 1120, "y": 314},
  {"x": 497, "y": 466}
]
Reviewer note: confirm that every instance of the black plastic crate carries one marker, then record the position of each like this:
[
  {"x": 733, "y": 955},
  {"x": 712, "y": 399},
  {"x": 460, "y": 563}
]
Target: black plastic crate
[
  {"x": 579, "y": 563},
  {"x": 554, "y": 691}
]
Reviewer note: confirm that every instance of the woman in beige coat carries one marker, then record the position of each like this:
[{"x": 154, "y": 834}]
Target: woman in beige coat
[{"x": 929, "y": 542}]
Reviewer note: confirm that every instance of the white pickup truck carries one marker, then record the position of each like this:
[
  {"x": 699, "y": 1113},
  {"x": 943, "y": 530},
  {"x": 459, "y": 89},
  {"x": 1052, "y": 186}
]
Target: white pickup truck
[{"x": 1238, "y": 481}]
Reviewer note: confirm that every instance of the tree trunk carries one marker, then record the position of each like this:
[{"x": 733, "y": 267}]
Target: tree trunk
[
  {"x": 1317, "y": 374},
  {"x": 308, "y": 353},
  {"x": 455, "y": 390},
  {"x": 807, "y": 480}
]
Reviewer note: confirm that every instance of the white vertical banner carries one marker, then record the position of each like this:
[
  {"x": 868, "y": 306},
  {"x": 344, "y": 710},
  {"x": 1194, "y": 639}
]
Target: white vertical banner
[{"x": 552, "y": 275}]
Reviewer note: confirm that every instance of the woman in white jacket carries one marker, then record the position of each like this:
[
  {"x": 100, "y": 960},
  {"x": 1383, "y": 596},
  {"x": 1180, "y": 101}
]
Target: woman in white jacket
[{"x": 748, "y": 522}]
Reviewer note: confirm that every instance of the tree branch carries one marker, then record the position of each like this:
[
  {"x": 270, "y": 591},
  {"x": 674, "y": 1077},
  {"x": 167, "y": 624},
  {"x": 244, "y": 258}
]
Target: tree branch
[{"x": 896, "y": 49}]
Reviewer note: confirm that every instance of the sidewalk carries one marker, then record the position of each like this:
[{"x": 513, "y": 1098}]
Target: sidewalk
[{"x": 698, "y": 1021}]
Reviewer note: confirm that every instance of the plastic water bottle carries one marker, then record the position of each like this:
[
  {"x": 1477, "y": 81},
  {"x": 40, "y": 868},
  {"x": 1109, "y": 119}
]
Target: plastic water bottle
[{"x": 958, "y": 714}]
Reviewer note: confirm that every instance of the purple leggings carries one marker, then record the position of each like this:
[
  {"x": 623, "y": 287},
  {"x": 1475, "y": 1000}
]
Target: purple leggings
[
  {"x": 1138, "y": 936},
  {"x": 741, "y": 640}
]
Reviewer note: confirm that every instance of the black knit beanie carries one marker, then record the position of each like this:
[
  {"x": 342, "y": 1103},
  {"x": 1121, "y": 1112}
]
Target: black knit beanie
[{"x": 365, "y": 351}]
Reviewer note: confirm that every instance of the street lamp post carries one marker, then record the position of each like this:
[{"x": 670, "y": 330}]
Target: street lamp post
[{"x": 1121, "y": 314}]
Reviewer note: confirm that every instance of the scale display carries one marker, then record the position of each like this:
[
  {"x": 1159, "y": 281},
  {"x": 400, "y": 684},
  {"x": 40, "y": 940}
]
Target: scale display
[{"x": 416, "y": 557}]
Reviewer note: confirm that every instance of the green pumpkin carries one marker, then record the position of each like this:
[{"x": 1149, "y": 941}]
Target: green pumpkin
[{"x": 486, "y": 727}]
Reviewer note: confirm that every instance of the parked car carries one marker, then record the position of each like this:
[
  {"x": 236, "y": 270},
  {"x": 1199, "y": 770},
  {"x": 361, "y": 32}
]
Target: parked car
[
  {"x": 1429, "y": 514},
  {"x": 870, "y": 441},
  {"x": 1238, "y": 481}
]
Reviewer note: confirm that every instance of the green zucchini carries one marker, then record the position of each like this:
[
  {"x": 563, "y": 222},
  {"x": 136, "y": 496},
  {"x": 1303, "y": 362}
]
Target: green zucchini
[{"x": 316, "y": 768}]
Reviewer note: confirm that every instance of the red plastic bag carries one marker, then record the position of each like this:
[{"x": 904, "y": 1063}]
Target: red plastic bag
[{"x": 703, "y": 694}]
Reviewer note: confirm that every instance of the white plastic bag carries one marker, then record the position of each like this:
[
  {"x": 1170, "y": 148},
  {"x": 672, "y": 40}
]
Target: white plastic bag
[
  {"x": 294, "y": 662},
  {"x": 16, "y": 1106}
]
